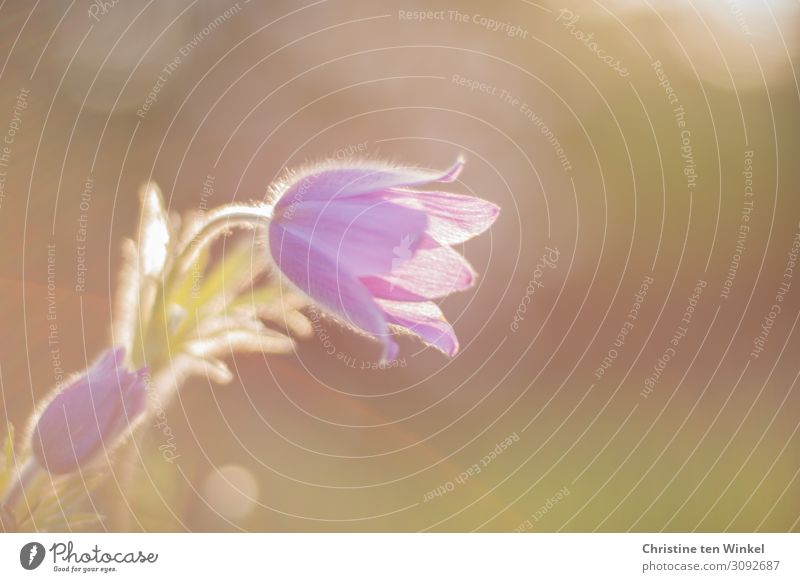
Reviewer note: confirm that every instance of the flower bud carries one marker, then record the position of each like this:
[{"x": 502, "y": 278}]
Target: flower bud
[{"x": 90, "y": 414}]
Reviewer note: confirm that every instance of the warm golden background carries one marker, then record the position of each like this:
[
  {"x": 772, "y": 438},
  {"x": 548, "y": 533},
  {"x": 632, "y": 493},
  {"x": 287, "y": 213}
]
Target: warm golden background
[{"x": 306, "y": 443}]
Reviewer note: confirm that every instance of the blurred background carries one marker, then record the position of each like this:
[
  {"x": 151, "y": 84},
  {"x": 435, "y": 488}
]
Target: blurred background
[{"x": 623, "y": 363}]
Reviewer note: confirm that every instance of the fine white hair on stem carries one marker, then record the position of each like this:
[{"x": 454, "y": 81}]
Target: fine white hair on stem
[
  {"x": 220, "y": 221},
  {"x": 127, "y": 297}
]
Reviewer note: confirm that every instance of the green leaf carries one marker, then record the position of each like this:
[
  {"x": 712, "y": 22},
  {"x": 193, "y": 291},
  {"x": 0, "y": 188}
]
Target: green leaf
[
  {"x": 226, "y": 279},
  {"x": 221, "y": 285},
  {"x": 59, "y": 505},
  {"x": 184, "y": 290},
  {"x": 68, "y": 494}
]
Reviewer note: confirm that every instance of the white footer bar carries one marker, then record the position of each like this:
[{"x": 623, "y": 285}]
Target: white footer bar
[{"x": 380, "y": 557}]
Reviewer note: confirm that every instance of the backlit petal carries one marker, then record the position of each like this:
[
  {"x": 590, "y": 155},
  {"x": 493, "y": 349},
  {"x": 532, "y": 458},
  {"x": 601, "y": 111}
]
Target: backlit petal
[
  {"x": 452, "y": 218},
  {"x": 337, "y": 182},
  {"x": 434, "y": 271},
  {"x": 327, "y": 282},
  {"x": 366, "y": 234},
  {"x": 423, "y": 319}
]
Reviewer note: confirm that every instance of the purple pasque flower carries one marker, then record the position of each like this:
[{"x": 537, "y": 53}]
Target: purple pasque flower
[
  {"x": 89, "y": 414},
  {"x": 373, "y": 251}
]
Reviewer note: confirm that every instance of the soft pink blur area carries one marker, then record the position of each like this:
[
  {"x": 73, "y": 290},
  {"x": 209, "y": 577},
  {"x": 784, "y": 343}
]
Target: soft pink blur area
[{"x": 601, "y": 189}]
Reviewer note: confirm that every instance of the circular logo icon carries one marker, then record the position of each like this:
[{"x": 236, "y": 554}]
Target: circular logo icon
[{"x": 31, "y": 555}]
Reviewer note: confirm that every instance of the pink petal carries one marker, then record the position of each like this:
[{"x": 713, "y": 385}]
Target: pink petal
[
  {"x": 434, "y": 271},
  {"x": 337, "y": 182},
  {"x": 392, "y": 350},
  {"x": 423, "y": 319},
  {"x": 328, "y": 283},
  {"x": 108, "y": 363},
  {"x": 452, "y": 218},
  {"x": 452, "y": 173},
  {"x": 367, "y": 234}
]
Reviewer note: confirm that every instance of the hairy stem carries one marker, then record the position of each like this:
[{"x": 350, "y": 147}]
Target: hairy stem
[
  {"x": 221, "y": 220},
  {"x": 155, "y": 294}
]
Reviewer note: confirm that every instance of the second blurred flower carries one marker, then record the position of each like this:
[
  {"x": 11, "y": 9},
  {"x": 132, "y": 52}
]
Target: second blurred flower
[{"x": 90, "y": 414}]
